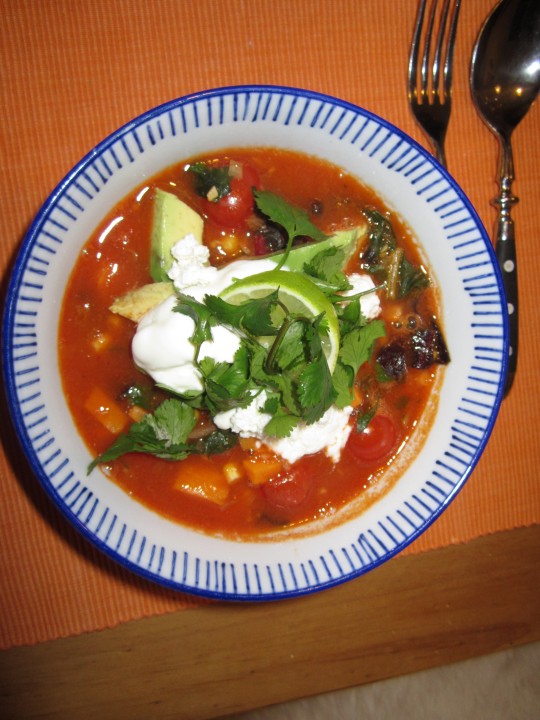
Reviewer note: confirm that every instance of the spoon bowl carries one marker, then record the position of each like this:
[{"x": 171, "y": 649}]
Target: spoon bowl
[{"x": 505, "y": 79}]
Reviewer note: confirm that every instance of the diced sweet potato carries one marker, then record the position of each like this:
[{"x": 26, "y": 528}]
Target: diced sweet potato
[
  {"x": 260, "y": 469},
  {"x": 105, "y": 409},
  {"x": 199, "y": 476}
]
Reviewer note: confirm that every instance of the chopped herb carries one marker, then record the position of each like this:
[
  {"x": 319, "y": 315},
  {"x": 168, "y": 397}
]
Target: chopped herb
[
  {"x": 210, "y": 181},
  {"x": 201, "y": 316},
  {"x": 327, "y": 266},
  {"x": 293, "y": 220},
  {"x": 227, "y": 385},
  {"x": 384, "y": 259},
  {"x": 315, "y": 390},
  {"x": 343, "y": 381},
  {"x": 216, "y": 443},
  {"x": 252, "y": 316},
  {"x": 282, "y": 424},
  {"x": 357, "y": 345},
  {"x": 381, "y": 239},
  {"x": 138, "y": 395},
  {"x": 163, "y": 434},
  {"x": 411, "y": 278},
  {"x": 363, "y": 419}
]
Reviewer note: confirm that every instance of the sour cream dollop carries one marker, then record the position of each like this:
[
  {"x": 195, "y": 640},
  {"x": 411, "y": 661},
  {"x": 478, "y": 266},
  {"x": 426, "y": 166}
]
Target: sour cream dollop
[{"x": 161, "y": 348}]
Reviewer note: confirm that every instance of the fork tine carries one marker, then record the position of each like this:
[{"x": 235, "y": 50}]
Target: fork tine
[
  {"x": 413, "y": 57},
  {"x": 449, "y": 63},
  {"x": 439, "y": 48},
  {"x": 427, "y": 52}
]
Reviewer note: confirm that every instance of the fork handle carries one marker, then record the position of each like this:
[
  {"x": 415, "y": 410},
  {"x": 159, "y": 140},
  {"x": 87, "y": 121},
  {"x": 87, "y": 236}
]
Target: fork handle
[{"x": 505, "y": 250}]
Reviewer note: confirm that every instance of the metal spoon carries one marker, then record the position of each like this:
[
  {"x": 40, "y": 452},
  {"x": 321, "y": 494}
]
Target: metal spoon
[{"x": 505, "y": 79}]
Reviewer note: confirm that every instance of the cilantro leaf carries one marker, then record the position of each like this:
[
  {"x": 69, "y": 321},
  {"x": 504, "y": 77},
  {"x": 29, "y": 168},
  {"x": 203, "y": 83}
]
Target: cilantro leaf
[
  {"x": 357, "y": 345},
  {"x": 343, "y": 380},
  {"x": 201, "y": 316},
  {"x": 350, "y": 316},
  {"x": 281, "y": 425},
  {"x": 163, "y": 434},
  {"x": 315, "y": 330},
  {"x": 217, "y": 442},
  {"x": 280, "y": 383},
  {"x": 315, "y": 390},
  {"x": 290, "y": 351},
  {"x": 171, "y": 422},
  {"x": 138, "y": 395},
  {"x": 227, "y": 384},
  {"x": 295, "y": 221},
  {"x": 298, "y": 341},
  {"x": 363, "y": 419},
  {"x": 326, "y": 266},
  {"x": 253, "y": 316},
  {"x": 271, "y": 404}
]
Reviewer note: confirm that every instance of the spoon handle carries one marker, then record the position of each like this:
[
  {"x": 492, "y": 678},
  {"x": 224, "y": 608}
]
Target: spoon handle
[{"x": 505, "y": 249}]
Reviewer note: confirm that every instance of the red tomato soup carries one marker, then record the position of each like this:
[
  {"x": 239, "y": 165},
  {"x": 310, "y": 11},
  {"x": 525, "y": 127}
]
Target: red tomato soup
[{"x": 248, "y": 490}]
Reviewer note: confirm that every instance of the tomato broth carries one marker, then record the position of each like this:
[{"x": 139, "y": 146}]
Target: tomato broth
[{"x": 217, "y": 494}]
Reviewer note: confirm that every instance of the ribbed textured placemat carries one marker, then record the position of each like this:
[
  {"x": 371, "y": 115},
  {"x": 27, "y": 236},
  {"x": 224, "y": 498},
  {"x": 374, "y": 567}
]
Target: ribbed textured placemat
[{"x": 74, "y": 71}]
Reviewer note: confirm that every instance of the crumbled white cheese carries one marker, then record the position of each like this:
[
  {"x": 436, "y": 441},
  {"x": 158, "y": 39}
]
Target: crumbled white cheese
[
  {"x": 370, "y": 303},
  {"x": 330, "y": 433},
  {"x": 191, "y": 264},
  {"x": 248, "y": 421},
  {"x": 192, "y": 274}
]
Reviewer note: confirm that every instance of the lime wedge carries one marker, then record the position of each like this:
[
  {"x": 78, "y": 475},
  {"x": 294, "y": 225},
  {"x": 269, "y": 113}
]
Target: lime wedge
[{"x": 299, "y": 295}]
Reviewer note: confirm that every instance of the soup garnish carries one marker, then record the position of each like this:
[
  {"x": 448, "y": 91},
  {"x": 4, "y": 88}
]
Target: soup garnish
[{"x": 286, "y": 343}]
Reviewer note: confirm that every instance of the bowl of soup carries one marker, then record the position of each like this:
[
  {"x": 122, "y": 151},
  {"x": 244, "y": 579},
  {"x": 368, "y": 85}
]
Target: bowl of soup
[{"x": 255, "y": 343}]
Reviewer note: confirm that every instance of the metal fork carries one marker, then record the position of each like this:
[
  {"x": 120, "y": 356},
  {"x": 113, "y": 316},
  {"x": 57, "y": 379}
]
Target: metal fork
[{"x": 430, "y": 95}]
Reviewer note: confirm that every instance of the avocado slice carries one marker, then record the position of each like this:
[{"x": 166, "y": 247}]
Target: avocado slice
[
  {"x": 346, "y": 240},
  {"x": 173, "y": 220}
]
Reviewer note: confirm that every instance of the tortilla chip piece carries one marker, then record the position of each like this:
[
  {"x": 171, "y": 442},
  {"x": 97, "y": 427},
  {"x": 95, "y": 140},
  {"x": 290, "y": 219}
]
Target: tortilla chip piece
[{"x": 135, "y": 303}]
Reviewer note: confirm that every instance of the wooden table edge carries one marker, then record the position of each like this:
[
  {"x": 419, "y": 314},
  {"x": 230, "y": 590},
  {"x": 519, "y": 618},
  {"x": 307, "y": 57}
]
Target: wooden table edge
[{"x": 414, "y": 612}]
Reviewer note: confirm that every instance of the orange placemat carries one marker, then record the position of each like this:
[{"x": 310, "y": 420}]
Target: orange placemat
[{"x": 73, "y": 72}]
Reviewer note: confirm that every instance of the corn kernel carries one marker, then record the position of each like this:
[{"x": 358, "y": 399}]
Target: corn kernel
[
  {"x": 230, "y": 244},
  {"x": 136, "y": 413},
  {"x": 99, "y": 341},
  {"x": 232, "y": 472}
]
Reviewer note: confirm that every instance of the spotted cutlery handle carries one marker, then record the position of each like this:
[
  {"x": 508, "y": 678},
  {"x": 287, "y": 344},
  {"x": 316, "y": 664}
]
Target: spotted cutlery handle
[{"x": 505, "y": 249}]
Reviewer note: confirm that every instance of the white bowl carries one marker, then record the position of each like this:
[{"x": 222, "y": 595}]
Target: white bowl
[{"x": 459, "y": 254}]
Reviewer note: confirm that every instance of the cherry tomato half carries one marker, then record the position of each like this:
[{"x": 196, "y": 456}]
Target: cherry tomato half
[
  {"x": 287, "y": 492},
  {"x": 234, "y": 208},
  {"x": 376, "y": 441}
]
